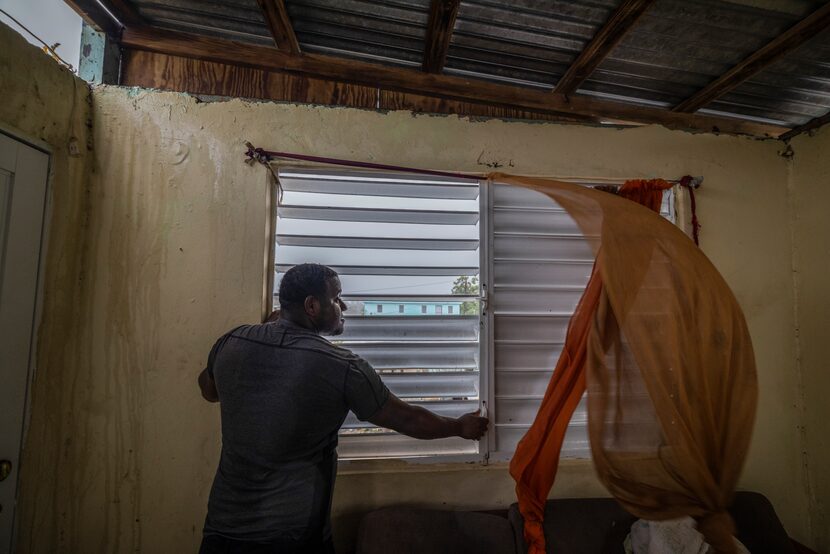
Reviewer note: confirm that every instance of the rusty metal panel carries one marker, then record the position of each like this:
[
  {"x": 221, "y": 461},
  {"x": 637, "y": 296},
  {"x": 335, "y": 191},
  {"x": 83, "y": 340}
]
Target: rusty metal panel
[{"x": 239, "y": 20}]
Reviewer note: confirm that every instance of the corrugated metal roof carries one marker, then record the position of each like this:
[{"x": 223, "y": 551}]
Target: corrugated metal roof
[
  {"x": 385, "y": 32},
  {"x": 239, "y": 20},
  {"x": 676, "y": 48}
]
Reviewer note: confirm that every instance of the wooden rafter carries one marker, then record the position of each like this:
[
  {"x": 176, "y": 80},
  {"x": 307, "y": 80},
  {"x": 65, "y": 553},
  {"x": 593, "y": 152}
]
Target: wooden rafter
[
  {"x": 442, "y": 14},
  {"x": 783, "y": 44},
  {"x": 617, "y": 26},
  {"x": 809, "y": 126},
  {"x": 276, "y": 17},
  {"x": 444, "y": 86}
]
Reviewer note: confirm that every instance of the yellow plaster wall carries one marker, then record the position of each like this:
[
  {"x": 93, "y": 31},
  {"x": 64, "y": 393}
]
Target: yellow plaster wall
[
  {"x": 175, "y": 257},
  {"x": 46, "y": 105},
  {"x": 811, "y": 200}
]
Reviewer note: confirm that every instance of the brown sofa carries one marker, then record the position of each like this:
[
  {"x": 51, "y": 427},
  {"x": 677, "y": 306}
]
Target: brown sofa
[{"x": 572, "y": 526}]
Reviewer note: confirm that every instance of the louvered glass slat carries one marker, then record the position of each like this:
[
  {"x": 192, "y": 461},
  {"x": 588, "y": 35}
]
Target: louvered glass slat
[
  {"x": 522, "y": 383},
  {"x": 524, "y": 220},
  {"x": 378, "y": 215},
  {"x": 376, "y": 243},
  {"x": 520, "y": 355},
  {"x": 407, "y": 355},
  {"x": 292, "y": 255},
  {"x": 393, "y": 270},
  {"x": 537, "y": 272},
  {"x": 433, "y": 384},
  {"x": 547, "y": 329},
  {"x": 371, "y": 184},
  {"x": 443, "y": 408},
  {"x": 394, "y": 327},
  {"x": 391, "y": 230},
  {"x": 393, "y": 445},
  {"x": 555, "y": 300},
  {"x": 401, "y": 244},
  {"x": 525, "y": 246}
]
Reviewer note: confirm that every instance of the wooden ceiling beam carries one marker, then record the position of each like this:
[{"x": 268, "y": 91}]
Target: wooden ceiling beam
[
  {"x": 809, "y": 126},
  {"x": 444, "y": 86},
  {"x": 782, "y": 45},
  {"x": 442, "y": 14},
  {"x": 279, "y": 24},
  {"x": 606, "y": 39}
]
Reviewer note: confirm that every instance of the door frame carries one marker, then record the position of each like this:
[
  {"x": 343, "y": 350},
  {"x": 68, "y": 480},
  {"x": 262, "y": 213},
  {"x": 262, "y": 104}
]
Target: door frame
[{"x": 37, "y": 144}]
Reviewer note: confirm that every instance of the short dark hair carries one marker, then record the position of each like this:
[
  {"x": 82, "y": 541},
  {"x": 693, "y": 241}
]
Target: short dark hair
[{"x": 302, "y": 281}]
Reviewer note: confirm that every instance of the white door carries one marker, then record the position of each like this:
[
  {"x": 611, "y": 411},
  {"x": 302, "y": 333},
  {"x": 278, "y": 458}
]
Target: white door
[{"x": 23, "y": 174}]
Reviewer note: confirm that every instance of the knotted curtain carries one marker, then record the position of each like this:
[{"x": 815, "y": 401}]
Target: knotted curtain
[{"x": 662, "y": 347}]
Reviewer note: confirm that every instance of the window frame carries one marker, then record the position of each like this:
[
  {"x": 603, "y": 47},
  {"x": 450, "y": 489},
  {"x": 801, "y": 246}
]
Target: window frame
[{"x": 487, "y": 452}]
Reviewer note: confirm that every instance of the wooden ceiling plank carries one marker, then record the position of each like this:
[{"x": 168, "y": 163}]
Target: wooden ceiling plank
[
  {"x": 445, "y": 86},
  {"x": 442, "y": 14},
  {"x": 606, "y": 39},
  {"x": 95, "y": 16},
  {"x": 809, "y": 126},
  {"x": 782, "y": 45},
  {"x": 279, "y": 23}
]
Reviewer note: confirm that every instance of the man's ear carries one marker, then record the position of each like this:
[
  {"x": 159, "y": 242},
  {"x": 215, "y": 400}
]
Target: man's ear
[{"x": 311, "y": 305}]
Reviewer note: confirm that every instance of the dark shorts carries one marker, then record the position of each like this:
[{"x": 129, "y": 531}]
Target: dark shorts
[{"x": 215, "y": 544}]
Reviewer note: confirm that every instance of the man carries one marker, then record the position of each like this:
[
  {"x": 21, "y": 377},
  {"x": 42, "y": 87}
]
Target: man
[{"x": 284, "y": 392}]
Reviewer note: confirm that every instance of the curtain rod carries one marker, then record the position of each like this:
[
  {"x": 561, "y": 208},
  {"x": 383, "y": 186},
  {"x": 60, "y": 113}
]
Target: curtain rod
[{"x": 265, "y": 157}]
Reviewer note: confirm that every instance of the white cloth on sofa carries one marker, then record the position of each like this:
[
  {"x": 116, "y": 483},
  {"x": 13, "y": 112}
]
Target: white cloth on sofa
[{"x": 674, "y": 536}]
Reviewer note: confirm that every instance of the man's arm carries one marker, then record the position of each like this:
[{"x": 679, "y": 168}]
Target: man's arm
[
  {"x": 208, "y": 386},
  {"x": 419, "y": 423}
]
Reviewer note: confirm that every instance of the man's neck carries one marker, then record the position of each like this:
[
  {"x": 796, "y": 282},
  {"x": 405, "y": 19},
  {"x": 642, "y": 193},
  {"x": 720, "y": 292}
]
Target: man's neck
[{"x": 300, "y": 320}]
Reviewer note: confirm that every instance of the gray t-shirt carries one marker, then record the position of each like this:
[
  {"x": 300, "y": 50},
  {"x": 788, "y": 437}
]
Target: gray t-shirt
[{"x": 284, "y": 392}]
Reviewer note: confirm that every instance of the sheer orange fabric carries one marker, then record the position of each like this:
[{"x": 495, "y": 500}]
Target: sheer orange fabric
[{"x": 663, "y": 347}]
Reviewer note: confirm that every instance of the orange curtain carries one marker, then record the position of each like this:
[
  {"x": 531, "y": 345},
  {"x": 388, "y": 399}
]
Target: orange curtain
[{"x": 663, "y": 348}]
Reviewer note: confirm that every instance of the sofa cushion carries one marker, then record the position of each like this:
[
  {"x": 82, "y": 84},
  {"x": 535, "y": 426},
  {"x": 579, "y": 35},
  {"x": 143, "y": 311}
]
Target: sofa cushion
[
  {"x": 418, "y": 531},
  {"x": 578, "y": 525},
  {"x": 600, "y": 525},
  {"x": 758, "y": 525}
]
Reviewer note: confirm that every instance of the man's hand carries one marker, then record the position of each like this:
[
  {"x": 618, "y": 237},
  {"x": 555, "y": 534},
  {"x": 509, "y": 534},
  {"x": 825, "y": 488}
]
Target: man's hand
[
  {"x": 472, "y": 425},
  {"x": 208, "y": 387}
]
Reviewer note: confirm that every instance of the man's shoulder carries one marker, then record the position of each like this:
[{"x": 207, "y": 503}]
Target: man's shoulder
[{"x": 277, "y": 335}]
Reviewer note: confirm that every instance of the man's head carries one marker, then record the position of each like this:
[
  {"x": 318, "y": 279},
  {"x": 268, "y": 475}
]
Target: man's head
[{"x": 310, "y": 296}]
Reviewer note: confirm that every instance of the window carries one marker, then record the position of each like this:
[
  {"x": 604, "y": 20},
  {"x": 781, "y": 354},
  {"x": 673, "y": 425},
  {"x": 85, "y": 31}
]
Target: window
[
  {"x": 395, "y": 240},
  {"x": 420, "y": 241}
]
